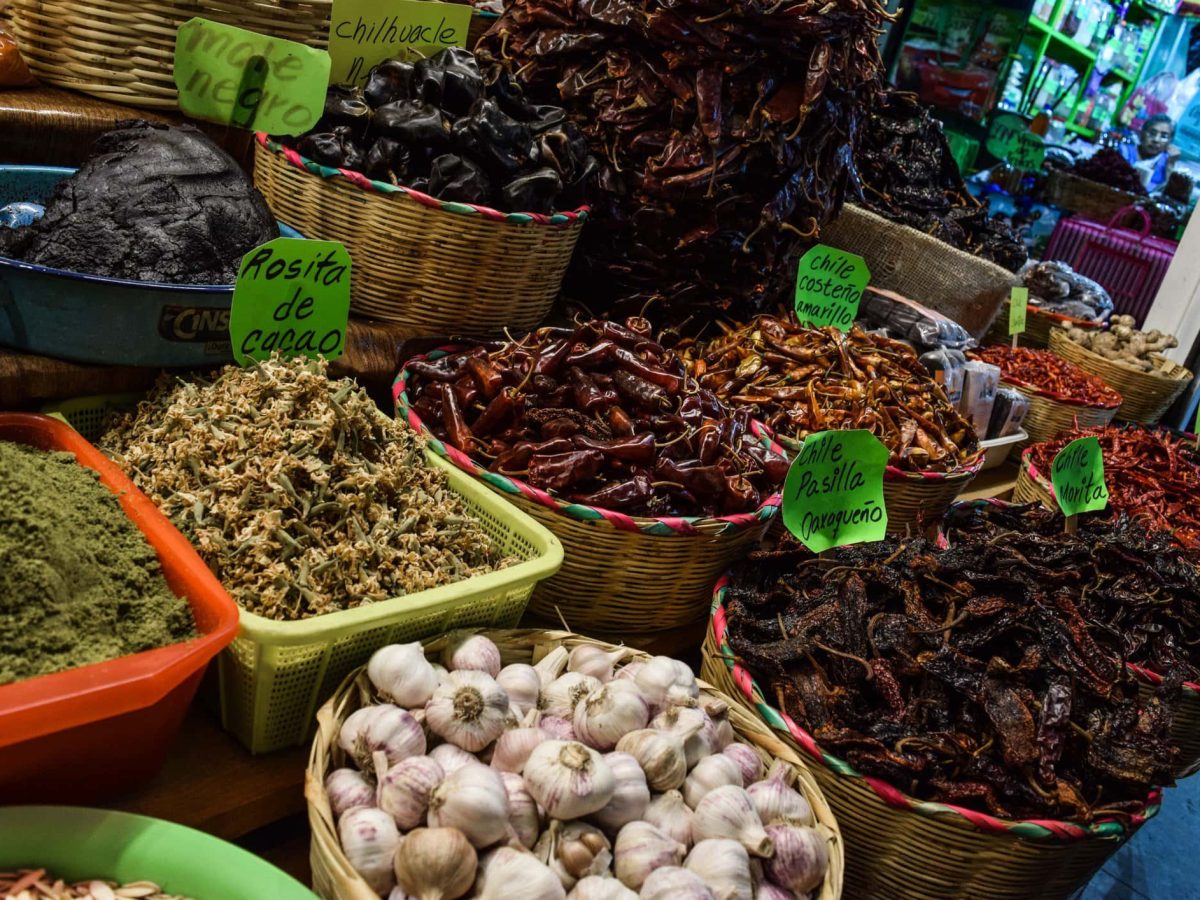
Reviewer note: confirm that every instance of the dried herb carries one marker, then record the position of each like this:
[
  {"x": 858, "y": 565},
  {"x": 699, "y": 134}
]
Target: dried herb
[
  {"x": 801, "y": 380},
  {"x": 297, "y": 491},
  {"x": 980, "y": 675}
]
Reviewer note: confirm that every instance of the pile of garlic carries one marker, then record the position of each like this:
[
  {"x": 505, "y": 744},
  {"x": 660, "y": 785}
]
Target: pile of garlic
[
  {"x": 1124, "y": 344},
  {"x": 531, "y": 783}
]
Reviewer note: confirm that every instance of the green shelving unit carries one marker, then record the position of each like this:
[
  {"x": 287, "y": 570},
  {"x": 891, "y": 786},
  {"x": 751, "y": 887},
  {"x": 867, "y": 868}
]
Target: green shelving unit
[{"x": 1047, "y": 41}]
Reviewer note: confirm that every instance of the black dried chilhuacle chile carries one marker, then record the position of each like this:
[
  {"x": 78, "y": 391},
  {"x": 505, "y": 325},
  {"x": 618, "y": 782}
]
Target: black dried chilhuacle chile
[
  {"x": 345, "y": 107},
  {"x": 335, "y": 148},
  {"x": 387, "y": 160},
  {"x": 460, "y": 180},
  {"x": 429, "y": 76},
  {"x": 462, "y": 82},
  {"x": 388, "y": 82},
  {"x": 532, "y": 192},
  {"x": 412, "y": 122},
  {"x": 494, "y": 138}
]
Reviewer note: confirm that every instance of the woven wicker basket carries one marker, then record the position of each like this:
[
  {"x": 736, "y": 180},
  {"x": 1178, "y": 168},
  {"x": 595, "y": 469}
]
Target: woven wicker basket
[
  {"x": 433, "y": 267},
  {"x": 333, "y": 877},
  {"x": 621, "y": 575},
  {"x": 1048, "y": 418},
  {"x": 1185, "y": 730},
  {"x": 1086, "y": 197},
  {"x": 124, "y": 50},
  {"x": 898, "y": 848},
  {"x": 1145, "y": 397},
  {"x": 1038, "y": 325},
  {"x": 1030, "y": 488}
]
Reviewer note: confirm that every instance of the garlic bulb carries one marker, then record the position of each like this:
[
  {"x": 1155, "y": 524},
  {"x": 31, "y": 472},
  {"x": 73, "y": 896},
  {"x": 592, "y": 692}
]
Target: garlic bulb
[
  {"x": 667, "y": 682},
  {"x": 440, "y": 671},
  {"x": 728, "y": 812},
  {"x": 475, "y": 801},
  {"x": 383, "y": 727},
  {"x": 402, "y": 675},
  {"x": 722, "y": 728},
  {"x": 471, "y": 652},
  {"x": 778, "y": 804},
  {"x": 513, "y": 748},
  {"x": 561, "y": 696},
  {"x": 607, "y": 714},
  {"x": 435, "y": 864},
  {"x": 748, "y": 761},
  {"x": 768, "y": 891},
  {"x": 558, "y": 728},
  {"x": 725, "y": 867},
  {"x": 595, "y": 661},
  {"x": 629, "y": 670},
  {"x": 568, "y": 779},
  {"x": 522, "y": 684},
  {"x": 523, "y": 813},
  {"x": 674, "y": 883},
  {"x": 641, "y": 848},
  {"x": 711, "y": 772},
  {"x": 630, "y": 797},
  {"x": 671, "y": 816},
  {"x": 550, "y": 666},
  {"x": 369, "y": 838},
  {"x": 509, "y": 874},
  {"x": 661, "y": 756},
  {"x": 347, "y": 789},
  {"x": 450, "y": 757},
  {"x": 694, "y": 728},
  {"x": 599, "y": 887},
  {"x": 398, "y": 893},
  {"x": 800, "y": 860},
  {"x": 574, "y": 850},
  {"x": 468, "y": 709},
  {"x": 404, "y": 789}
]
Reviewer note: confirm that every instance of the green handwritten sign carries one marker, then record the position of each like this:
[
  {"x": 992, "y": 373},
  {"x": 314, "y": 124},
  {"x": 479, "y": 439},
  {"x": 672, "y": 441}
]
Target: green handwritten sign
[
  {"x": 365, "y": 32},
  {"x": 1018, "y": 305},
  {"x": 292, "y": 296},
  {"x": 1010, "y": 139},
  {"x": 833, "y": 493},
  {"x": 829, "y": 286},
  {"x": 1077, "y": 474},
  {"x": 237, "y": 77}
]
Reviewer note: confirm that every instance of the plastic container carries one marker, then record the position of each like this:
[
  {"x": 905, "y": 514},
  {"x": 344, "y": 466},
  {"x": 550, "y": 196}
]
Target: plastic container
[
  {"x": 76, "y": 843},
  {"x": 996, "y": 450},
  {"x": 105, "y": 728}
]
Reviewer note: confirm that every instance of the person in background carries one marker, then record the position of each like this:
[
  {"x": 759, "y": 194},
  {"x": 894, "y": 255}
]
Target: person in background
[{"x": 1155, "y": 144}]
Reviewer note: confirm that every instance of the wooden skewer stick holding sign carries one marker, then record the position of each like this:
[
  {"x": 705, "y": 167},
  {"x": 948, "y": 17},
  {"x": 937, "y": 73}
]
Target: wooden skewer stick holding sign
[{"x": 1077, "y": 474}]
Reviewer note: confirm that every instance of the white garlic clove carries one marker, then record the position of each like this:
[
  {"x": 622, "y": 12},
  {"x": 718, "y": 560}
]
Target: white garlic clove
[
  {"x": 725, "y": 867},
  {"x": 402, "y": 675},
  {"x": 404, "y": 789},
  {"x": 523, "y": 813},
  {"x": 610, "y": 712},
  {"x": 451, "y": 757},
  {"x": 667, "y": 682},
  {"x": 747, "y": 760},
  {"x": 670, "y": 815},
  {"x": 346, "y": 789},
  {"x": 561, "y": 696},
  {"x": 711, "y": 772},
  {"x": 475, "y": 801},
  {"x": 369, "y": 839},
  {"x": 599, "y": 887},
  {"x": 568, "y": 779},
  {"x": 573, "y": 850},
  {"x": 692, "y": 726},
  {"x": 674, "y": 883},
  {"x": 640, "y": 849},
  {"x": 510, "y": 874},
  {"x": 558, "y": 728},
  {"x": 384, "y": 727},
  {"x": 630, "y": 798},
  {"x": 513, "y": 748},
  {"x": 661, "y": 756},
  {"x": 728, "y": 812},
  {"x": 595, "y": 661},
  {"x": 471, "y": 652},
  {"x": 552, "y": 665},
  {"x": 629, "y": 670},
  {"x": 522, "y": 684},
  {"x": 469, "y": 710},
  {"x": 778, "y": 804},
  {"x": 436, "y": 863},
  {"x": 768, "y": 891},
  {"x": 800, "y": 859}
]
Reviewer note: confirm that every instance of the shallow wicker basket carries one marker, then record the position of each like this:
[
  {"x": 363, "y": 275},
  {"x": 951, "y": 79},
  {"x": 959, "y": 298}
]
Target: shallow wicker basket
[
  {"x": 1091, "y": 199},
  {"x": 1048, "y": 417},
  {"x": 1185, "y": 729},
  {"x": 333, "y": 877},
  {"x": 124, "y": 50},
  {"x": 899, "y": 848},
  {"x": 1145, "y": 396},
  {"x": 1032, "y": 488},
  {"x": 621, "y": 575},
  {"x": 434, "y": 267}
]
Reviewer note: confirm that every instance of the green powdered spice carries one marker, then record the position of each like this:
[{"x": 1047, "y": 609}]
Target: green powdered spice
[{"x": 79, "y": 584}]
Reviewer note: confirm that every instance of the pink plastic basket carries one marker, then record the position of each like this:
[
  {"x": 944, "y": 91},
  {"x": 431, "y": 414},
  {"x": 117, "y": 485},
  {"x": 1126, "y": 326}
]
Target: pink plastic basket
[{"x": 1129, "y": 264}]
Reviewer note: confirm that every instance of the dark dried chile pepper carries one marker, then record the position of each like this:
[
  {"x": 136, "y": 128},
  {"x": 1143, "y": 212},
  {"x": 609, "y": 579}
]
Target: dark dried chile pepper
[
  {"x": 655, "y": 375},
  {"x": 620, "y": 495},
  {"x": 559, "y": 471},
  {"x": 589, "y": 356},
  {"x": 633, "y": 387},
  {"x": 635, "y": 449},
  {"x": 497, "y": 412},
  {"x": 452, "y": 420}
]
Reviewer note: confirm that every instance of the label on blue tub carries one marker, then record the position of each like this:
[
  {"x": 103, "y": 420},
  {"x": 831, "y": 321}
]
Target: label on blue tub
[{"x": 195, "y": 325}]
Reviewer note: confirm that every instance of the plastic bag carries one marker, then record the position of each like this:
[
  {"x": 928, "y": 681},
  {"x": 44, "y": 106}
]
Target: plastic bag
[
  {"x": 980, "y": 382},
  {"x": 1008, "y": 412},
  {"x": 13, "y": 71},
  {"x": 946, "y": 367},
  {"x": 1059, "y": 288},
  {"x": 909, "y": 321}
]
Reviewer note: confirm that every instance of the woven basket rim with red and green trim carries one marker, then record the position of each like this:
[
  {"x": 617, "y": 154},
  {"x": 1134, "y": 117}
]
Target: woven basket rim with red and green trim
[
  {"x": 658, "y": 525},
  {"x": 358, "y": 179},
  {"x": 1035, "y": 829},
  {"x": 895, "y": 473}
]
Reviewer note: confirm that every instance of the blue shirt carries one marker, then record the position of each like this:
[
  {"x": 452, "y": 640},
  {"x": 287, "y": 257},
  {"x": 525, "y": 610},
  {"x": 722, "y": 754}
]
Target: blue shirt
[{"x": 1158, "y": 176}]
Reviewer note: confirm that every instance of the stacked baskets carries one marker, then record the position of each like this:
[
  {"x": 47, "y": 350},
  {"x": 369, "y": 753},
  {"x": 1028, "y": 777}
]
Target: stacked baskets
[
  {"x": 1088, "y": 198},
  {"x": 1039, "y": 323},
  {"x": 1052, "y": 414},
  {"x": 622, "y": 575},
  {"x": 335, "y": 879},
  {"x": 900, "y": 848},
  {"x": 1145, "y": 395},
  {"x": 432, "y": 266}
]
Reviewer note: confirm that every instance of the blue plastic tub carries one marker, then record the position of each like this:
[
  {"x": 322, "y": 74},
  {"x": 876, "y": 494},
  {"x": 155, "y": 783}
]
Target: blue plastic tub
[{"x": 92, "y": 319}]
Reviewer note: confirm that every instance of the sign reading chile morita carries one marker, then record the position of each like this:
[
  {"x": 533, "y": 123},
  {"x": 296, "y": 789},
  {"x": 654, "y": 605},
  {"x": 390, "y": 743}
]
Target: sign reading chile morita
[{"x": 829, "y": 286}]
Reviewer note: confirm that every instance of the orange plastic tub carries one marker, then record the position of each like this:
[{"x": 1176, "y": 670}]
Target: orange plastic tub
[{"x": 101, "y": 729}]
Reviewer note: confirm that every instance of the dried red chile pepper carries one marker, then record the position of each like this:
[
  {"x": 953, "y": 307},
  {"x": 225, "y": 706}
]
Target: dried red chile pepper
[
  {"x": 724, "y": 133},
  {"x": 600, "y": 415},
  {"x": 1047, "y": 373},
  {"x": 981, "y": 675}
]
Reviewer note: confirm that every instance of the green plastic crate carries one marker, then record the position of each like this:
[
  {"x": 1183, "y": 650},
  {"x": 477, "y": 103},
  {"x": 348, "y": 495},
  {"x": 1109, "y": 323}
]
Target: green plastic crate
[
  {"x": 275, "y": 675},
  {"x": 93, "y": 416}
]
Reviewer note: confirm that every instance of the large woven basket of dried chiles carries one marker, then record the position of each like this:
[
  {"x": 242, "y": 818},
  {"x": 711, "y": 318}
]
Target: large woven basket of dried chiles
[{"x": 964, "y": 754}]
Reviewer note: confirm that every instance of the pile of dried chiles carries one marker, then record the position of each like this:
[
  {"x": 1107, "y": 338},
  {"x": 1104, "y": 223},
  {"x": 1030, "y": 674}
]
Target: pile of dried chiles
[
  {"x": 433, "y": 126},
  {"x": 1151, "y": 475},
  {"x": 988, "y": 675},
  {"x": 725, "y": 134},
  {"x": 1108, "y": 166},
  {"x": 1047, "y": 373},
  {"x": 801, "y": 380},
  {"x": 601, "y": 415},
  {"x": 907, "y": 174}
]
